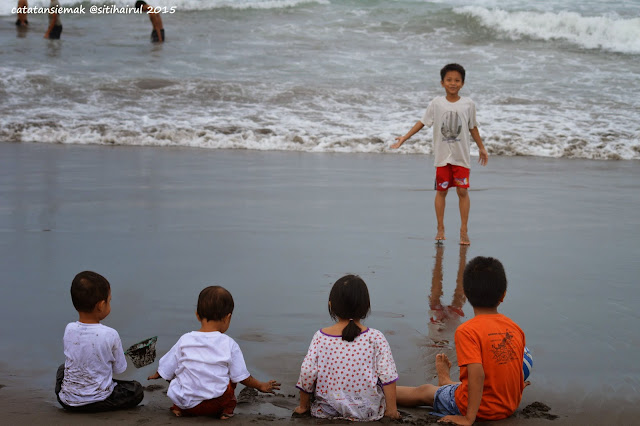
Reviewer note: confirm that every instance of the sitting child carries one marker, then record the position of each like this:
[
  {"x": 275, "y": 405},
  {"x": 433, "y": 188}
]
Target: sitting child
[
  {"x": 93, "y": 354},
  {"x": 204, "y": 366},
  {"x": 349, "y": 368},
  {"x": 490, "y": 350}
]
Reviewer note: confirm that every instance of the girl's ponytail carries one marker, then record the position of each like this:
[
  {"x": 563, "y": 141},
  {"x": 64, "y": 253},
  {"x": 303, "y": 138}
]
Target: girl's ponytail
[{"x": 351, "y": 331}]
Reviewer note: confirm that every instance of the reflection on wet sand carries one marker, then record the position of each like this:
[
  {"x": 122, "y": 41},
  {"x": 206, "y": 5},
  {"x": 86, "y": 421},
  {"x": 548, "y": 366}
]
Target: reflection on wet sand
[{"x": 443, "y": 320}]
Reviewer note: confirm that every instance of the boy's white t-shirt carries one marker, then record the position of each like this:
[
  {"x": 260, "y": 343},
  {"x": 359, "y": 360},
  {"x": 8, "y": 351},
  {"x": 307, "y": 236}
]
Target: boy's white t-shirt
[
  {"x": 200, "y": 366},
  {"x": 93, "y": 354},
  {"x": 451, "y": 123}
]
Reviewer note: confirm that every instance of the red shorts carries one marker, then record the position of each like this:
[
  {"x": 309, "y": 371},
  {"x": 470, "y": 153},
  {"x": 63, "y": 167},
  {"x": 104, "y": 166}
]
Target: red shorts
[
  {"x": 224, "y": 404},
  {"x": 450, "y": 175}
]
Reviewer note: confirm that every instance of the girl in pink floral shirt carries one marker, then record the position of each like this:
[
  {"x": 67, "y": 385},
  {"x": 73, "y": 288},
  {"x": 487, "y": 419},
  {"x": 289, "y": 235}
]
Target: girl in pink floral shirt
[{"x": 349, "y": 368}]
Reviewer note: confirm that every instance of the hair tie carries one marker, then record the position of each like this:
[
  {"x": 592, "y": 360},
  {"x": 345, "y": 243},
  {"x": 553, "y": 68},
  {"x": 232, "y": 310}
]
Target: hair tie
[{"x": 350, "y": 319}]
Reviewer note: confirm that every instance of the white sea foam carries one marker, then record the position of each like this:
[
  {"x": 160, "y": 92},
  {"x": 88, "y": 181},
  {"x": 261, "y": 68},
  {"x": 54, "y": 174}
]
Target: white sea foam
[
  {"x": 610, "y": 33},
  {"x": 347, "y": 80}
]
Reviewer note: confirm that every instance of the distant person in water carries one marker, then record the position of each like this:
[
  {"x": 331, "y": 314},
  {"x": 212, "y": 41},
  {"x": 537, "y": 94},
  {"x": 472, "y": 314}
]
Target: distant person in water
[
  {"x": 22, "y": 14},
  {"x": 55, "y": 25},
  {"x": 157, "y": 35}
]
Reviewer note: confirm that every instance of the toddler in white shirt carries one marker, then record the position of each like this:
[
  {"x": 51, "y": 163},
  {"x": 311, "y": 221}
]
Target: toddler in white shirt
[{"x": 204, "y": 366}]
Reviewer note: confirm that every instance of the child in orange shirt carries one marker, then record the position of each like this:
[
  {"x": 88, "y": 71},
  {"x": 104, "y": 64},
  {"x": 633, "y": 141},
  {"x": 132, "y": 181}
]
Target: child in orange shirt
[{"x": 490, "y": 350}]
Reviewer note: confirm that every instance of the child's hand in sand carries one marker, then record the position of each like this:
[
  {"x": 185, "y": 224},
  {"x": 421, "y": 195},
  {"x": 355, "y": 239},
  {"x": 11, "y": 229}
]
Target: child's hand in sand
[
  {"x": 266, "y": 387},
  {"x": 392, "y": 414},
  {"x": 269, "y": 387},
  {"x": 154, "y": 376}
]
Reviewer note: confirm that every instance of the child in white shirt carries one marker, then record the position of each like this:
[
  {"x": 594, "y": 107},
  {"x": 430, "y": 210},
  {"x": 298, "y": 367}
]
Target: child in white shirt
[
  {"x": 453, "y": 118},
  {"x": 204, "y": 366},
  {"x": 93, "y": 354}
]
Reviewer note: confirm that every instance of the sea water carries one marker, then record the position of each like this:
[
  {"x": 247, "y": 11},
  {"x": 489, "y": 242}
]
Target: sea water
[{"x": 550, "y": 78}]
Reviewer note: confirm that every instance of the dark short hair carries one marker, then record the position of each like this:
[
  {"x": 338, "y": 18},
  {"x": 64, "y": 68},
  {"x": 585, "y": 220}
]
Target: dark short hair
[
  {"x": 484, "y": 282},
  {"x": 349, "y": 299},
  {"x": 215, "y": 303},
  {"x": 140, "y": 3},
  {"x": 452, "y": 67},
  {"x": 87, "y": 289}
]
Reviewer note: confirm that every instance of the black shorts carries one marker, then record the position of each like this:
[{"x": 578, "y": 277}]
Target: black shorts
[
  {"x": 154, "y": 36},
  {"x": 126, "y": 394},
  {"x": 18, "y": 23},
  {"x": 55, "y": 32}
]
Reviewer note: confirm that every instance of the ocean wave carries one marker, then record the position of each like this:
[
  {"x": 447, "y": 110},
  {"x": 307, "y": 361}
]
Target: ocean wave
[
  {"x": 289, "y": 116},
  {"x": 606, "y": 145},
  {"x": 180, "y": 5},
  {"x": 610, "y": 33}
]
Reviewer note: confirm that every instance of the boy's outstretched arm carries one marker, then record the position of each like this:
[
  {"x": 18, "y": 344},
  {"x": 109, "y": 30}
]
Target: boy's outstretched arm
[
  {"x": 401, "y": 139},
  {"x": 390, "y": 399},
  {"x": 476, "y": 383},
  {"x": 266, "y": 387},
  {"x": 484, "y": 156}
]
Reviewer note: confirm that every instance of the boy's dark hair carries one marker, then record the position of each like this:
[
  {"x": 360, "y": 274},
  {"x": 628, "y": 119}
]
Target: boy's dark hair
[
  {"x": 140, "y": 3},
  {"x": 452, "y": 67},
  {"x": 484, "y": 282},
  {"x": 349, "y": 299},
  {"x": 215, "y": 303},
  {"x": 87, "y": 289}
]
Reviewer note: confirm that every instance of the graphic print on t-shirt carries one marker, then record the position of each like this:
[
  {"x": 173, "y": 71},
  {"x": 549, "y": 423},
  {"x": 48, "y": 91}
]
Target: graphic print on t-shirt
[
  {"x": 451, "y": 126},
  {"x": 503, "y": 352}
]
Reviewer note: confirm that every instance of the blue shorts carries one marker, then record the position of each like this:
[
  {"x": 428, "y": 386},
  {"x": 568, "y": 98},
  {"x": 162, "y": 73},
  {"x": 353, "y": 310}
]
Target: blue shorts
[{"x": 444, "y": 401}]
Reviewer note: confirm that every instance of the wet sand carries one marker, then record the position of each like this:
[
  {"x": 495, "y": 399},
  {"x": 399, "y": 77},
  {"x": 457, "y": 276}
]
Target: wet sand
[{"x": 277, "y": 228}]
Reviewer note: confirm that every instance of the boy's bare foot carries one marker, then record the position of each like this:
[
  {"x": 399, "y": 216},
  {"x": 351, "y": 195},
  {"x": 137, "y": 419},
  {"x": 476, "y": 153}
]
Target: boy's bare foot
[
  {"x": 176, "y": 411},
  {"x": 443, "y": 365},
  {"x": 226, "y": 416},
  {"x": 464, "y": 238}
]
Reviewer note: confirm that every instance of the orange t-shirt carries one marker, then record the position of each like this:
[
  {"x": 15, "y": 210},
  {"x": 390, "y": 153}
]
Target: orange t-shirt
[{"x": 497, "y": 343}]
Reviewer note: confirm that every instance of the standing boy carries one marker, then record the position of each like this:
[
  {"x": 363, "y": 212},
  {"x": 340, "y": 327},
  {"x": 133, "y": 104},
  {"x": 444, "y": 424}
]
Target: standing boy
[
  {"x": 157, "y": 34},
  {"x": 490, "y": 349},
  {"x": 93, "y": 354},
  {"x": 453, "y": 119}
]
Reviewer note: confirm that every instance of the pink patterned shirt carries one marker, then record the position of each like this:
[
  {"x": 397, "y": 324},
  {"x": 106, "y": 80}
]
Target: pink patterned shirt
[{"x": 347, "y": 377}]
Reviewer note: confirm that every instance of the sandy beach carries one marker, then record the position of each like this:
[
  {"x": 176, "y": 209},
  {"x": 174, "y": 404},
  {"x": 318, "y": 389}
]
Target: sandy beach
[{"x": 278, "y": 228}]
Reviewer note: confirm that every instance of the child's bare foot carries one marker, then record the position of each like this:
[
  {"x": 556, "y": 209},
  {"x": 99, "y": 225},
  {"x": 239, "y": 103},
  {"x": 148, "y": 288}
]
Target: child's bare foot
[
  {"x": 226, "y": 416},
  {"x": 443, "y": 365},
  {"x": 176, "y": 411},
  {"x": 464, "y": 238},
  {"x": 440, "y": 234}
]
